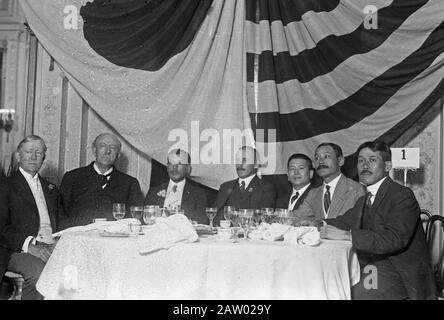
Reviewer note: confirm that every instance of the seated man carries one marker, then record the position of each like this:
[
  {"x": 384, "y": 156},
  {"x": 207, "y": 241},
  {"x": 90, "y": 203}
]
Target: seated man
[
  {"x": 385, "y": 229},
  {"x": 180, "y": 190},
  {"x": 338, "y": 193},
  {"x": 89, "y": 192},
  {"x": 28, "y": 211},
  {"x": 300, "y": 173},
  {"x": 248, "y": 191}
]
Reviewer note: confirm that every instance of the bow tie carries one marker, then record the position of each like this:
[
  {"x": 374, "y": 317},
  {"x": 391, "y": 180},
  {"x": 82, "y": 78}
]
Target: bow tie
[{"x": 103, "y": 179}]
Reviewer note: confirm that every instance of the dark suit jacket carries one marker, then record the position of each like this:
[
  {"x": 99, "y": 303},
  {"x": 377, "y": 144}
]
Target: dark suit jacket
[
  {"x": 259, "y": 194},
  {"x": 282, "y": 202},
  {"x": 84, "y": 199},
  {"x": 19, "y": 216},
  {"x": 194, "y": 200},
  {"x": 392, "y": 231}
]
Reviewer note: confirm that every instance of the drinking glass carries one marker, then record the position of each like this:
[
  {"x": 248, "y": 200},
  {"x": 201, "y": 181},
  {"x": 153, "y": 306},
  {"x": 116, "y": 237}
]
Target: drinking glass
[
  {"x": 282, "y": 215},
  {"x": 136, "y": 212},
  {"x": 227, "y": 212},
  {"x": 234, "y": 217},
  {"x": 119, "y": 211},
  {"x": 149, "y": 212},
  {"x": 246, "y": 219},
  {"x": 267, "y": 215},
  {"x": 211, "y": 213},
  {"x": 257, "y": 217}
]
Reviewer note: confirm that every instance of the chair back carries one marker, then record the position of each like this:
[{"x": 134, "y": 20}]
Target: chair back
[
  {"x": 431, "y": 230},
  {"x": 425, "y": 217}
]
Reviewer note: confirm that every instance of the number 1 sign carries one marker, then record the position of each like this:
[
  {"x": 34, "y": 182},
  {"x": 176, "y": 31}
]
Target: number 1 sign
[{"x": 405, "y": 158}]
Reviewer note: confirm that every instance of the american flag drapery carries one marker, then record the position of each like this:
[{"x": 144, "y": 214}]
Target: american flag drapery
[{"x": 317, "y": 72}]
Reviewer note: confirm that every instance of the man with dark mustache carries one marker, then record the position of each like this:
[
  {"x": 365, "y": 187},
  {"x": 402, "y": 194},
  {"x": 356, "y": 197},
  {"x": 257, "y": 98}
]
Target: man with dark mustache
[
  {"x": 89, "y": 192},
  {"x": 337, "y": 193},
  {"x": 385, "y": 229},
  {"x": 180, "y": 190},
  {"x": 248, "y": 191}
]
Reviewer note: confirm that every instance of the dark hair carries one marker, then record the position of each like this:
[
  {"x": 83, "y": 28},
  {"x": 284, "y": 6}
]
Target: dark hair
[
  {"x": 301, "y": 156},
  {"x": 380, "y": 146},
  {"x": 256, "y": 155},
  {"x": 178, "y": 152},
  {"x": 32, "y": 137},
  {"x": 335, "y": 147}
]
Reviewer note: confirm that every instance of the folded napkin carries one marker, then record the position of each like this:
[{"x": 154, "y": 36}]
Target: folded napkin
[
  {"x": 167, "y": 232},
  {"x": 303, "y": 235},
  {"x": 120, "y": 226},
  {"x": 274, "y": 231}
]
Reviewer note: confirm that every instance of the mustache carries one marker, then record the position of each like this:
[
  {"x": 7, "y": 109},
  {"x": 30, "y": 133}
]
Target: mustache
[
  {"x": 322, "y": 166},
  {"x": 366, "y": 171}
]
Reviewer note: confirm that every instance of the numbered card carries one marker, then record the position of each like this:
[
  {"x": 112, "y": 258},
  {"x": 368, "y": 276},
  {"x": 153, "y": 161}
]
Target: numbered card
[{"x": 405, "y": 158}]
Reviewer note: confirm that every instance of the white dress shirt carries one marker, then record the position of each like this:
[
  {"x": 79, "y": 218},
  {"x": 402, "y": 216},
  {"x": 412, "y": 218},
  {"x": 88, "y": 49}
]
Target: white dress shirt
[
  {"x": 174, "y": 198},
  {"x": 247, "y": 181},
  {"x": 45, "y": 230},
  {"x": 374, "y": 189},
  {"x": 332, "y": 184},
  {"x": 107, "y": 173},
  {"x": 300, "y": 193}
]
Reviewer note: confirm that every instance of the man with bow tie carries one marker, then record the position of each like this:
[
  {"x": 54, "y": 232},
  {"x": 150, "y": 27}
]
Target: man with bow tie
[
  {"x": 180, "y": 190},
  {"x": 29, "y": 208},
  {"x": 248, "y": 191},
  {"x": 89, "y": 192},
  {"x": 300, "y": 173},
  {"x": 386, "y": 231}
]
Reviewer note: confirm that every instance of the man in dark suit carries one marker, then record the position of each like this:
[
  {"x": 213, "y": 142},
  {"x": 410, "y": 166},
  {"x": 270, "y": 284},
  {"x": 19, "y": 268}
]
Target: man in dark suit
[
  {"x": 180, "y": 190},
  {"x": 337, "y": 193},
  {"x": 385, "y": 229},
  {"x": 248, "y": 191},
  {"x": 28, "y": 212},
  {"x": 89, "y": 192},
  {"x": 300, "y": 173}
]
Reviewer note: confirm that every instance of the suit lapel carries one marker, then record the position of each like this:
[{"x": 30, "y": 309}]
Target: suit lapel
[
  {"x": 227, "y": 193},
  {"x": 22, "y": 186},
  {"x": 338, "y": 196},
  {"x": 50, "y": 202},
  {"x": 301, "y": 198},
  {"x": 382, "y": 192},
  {"x": 252, "y": 186},
  {"x": 186, "y": 192}
]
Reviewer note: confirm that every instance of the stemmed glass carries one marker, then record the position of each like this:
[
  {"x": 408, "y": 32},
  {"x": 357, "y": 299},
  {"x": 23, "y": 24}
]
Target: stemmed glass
[
  {"x": 246, "y": 219},
  {"x": 227, "y": 212},
  {"x": 211, "y": 213},
  {"x": 267, "y": 215},
  {"x": 283, "y": 215},
  {"x": 136, "y": 212},
  {"x": 119, "y": 211},
  {"x": 234, "y": 217},
  {"x": 149, "y": 212},
  {"x": 257, "y": 217}
]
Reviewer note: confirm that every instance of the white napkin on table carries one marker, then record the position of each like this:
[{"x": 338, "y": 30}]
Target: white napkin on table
[
  {"x": 303, "y": 235},
  {"x": 167, "y": 232},
  {"x": 274, "y": 231}
]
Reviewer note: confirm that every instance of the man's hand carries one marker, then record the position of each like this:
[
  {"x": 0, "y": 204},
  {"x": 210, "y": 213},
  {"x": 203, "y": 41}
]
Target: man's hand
[
  {"x": 40, "y": 251},
  {"x": 333, "y": 233}
]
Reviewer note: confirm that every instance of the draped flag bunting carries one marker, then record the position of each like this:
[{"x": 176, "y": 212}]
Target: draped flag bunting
[{"x": 298, "y": 72}]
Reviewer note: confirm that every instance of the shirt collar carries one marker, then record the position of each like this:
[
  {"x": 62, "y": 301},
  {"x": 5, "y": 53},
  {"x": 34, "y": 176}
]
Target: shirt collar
[
  {"x": 179, "y": 184},
  {"x": 375, "y": 187},
  {"x": 300, "y": 191},
  {"x": 96, "y": 168},
  {"x": 28, "y": 176},
  {"x": 333, "y": 182},
  {"x": 247, "y": 180}
]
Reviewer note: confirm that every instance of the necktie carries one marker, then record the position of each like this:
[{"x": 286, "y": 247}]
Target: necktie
[
  {"x": 103, "y": 180},
  {"x": 243, "y": 185},
  {"x": 366, "y": 208},
  {"x": 175, "y": 188},
  {"x": 327, "y": 199},
  {"x": 293, "y": 199}
]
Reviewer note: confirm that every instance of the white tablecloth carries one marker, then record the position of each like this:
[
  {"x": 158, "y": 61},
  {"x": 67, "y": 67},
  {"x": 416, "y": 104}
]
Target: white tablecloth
[{"x": 112, "y": 268}]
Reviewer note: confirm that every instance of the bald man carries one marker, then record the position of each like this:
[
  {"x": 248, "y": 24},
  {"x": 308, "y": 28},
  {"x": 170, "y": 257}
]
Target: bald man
[
  {"x": 89, "y": 192},
  {"x": 248, "y": 191},
  {"x": 180, "y": 190}
]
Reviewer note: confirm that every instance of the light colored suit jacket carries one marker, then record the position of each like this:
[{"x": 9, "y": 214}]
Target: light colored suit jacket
[{"x": 347, "y": 192}]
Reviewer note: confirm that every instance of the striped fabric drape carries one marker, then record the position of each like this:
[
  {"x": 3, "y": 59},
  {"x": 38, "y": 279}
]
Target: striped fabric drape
[{"x": 318, "y": 72}]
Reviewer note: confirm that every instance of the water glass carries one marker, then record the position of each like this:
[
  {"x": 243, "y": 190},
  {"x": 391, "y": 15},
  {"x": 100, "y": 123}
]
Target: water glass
[
  {"x": 149, "y": 212},
  {"x": 283, "y": 215},
  {"x": 136, "y": 212},
  {"x": 227, "y": 212},
  {"x": 119, "y": 211},
  {"x": 246, "y": 220},
  {"x": 267, "y": 215}
]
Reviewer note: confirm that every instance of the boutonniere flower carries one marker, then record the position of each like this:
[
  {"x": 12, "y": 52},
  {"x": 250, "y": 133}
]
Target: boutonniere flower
[
  {"x": 250, "y": 190},
  {"x": 162, "y": 193},
  {"x": 51, "y": 186}
]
